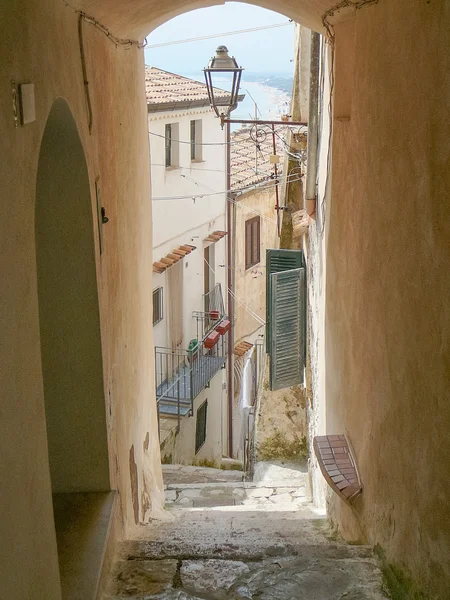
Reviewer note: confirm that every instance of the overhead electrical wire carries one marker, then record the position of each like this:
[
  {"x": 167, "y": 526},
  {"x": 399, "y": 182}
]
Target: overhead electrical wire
[
  {"x": 234, "y": 143},
  {"x": 247, "y": 308},
  {"x": 216, "y": 35},
  {"x": 270, "y": 184}
]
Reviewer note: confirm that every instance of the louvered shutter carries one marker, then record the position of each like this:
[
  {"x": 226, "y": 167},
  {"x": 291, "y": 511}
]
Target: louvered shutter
[
  {"x": 287, "y": 340},
  {"x": 248, "y": 244},
  {"x": 255, "y": 241},
  {"x": 278, "y": 260}
]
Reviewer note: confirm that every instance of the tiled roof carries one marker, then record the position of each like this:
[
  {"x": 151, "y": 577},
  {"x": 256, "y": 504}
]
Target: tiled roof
[
  {"x": 165, "y": 91},
  {"x": 215, "y": 236},
  {"x": 170, "y": 259},
  {"x": 241, "y": 348},
  {"x": 250, "y": 163}
]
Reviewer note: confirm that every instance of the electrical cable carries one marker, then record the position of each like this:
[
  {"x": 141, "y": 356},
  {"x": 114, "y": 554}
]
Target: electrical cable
[
  {"x": 216, "y": 35},
  {"x": 253, "y": 314},
  {"x": 189, "y": 168},
  {"x": 198, "y": 143},
  {"x": 239, "y": 191},
  {"x": 115, "y": 40}
]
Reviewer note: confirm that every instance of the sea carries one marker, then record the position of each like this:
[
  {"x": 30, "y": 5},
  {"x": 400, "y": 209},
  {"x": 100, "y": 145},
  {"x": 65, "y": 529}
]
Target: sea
[{"x": 270, "y": 92}]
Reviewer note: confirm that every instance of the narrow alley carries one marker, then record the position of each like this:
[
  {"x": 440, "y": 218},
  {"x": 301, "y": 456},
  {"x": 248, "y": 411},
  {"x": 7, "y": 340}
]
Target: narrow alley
[
  {"x": 224, "y": 303},
  {"x": 225, "y": 538}
]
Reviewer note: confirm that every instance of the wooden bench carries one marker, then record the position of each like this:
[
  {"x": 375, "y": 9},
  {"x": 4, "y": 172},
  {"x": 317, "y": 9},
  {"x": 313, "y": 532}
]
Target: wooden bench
[{"x": 338, "y": 465}]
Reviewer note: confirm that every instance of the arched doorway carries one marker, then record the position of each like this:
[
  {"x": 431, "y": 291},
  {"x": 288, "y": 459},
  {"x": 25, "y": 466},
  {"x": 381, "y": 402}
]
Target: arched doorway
[{"x": 70, "y": 344}]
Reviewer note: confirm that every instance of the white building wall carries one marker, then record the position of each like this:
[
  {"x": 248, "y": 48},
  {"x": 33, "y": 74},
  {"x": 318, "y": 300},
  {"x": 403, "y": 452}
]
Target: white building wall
[
  {"x": 173, "y": 218},
  {"x": 190, "y": 221}
]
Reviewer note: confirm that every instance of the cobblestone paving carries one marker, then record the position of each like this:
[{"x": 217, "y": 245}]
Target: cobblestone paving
[{"x": 229, "y": 539}]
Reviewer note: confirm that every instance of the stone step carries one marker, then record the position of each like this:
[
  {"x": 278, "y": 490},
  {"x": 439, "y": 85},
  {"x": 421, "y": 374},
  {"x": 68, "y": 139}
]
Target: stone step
[
  {"x": 230, "y": 494},
  {"x": 308, "y": 577}
]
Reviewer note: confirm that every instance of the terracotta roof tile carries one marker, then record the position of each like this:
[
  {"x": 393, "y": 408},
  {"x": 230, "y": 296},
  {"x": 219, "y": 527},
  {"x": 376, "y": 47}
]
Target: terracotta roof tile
[
  {"x": 215, "y": 236},
  {"x": 241, "y": 348},
  {"x": 163, "y": 88},
  {"x": 246, "y": 169},
  {"x": 170, "y": 259}
]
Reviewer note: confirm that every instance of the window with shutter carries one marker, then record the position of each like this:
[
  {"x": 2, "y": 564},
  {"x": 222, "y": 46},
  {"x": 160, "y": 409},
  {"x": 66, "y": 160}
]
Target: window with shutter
[
  {"x": 196, "y": 140},
  {"x": 200, "y": 427},
  {"x": 287, "y": 331},
  {"x": 157, "y": 305},
  {"x": 168, "y": 144},
  {"x": 252, "y": 242},
  {"x": 278, "y": 260}
]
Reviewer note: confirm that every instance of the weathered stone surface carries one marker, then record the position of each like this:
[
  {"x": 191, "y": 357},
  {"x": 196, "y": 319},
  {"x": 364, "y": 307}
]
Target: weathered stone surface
[
  {"x": 133, "y": 578},
  {"x": 299, "y": 492},
  {"x": 211, "y": 575},
  {"x": 259, "y": 492},
  {"x": 272, "y": 545},
  {"x": 284, "y": 490},
  {"x": 184, "y": 502},
  {"x": 280, "y": 498},
  {"x": 171, "y": 495},
  {"x": 189, "y": 493}
]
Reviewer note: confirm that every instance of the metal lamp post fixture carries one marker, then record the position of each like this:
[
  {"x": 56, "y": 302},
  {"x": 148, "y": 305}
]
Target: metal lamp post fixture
[{"x": 223, "y": 64}]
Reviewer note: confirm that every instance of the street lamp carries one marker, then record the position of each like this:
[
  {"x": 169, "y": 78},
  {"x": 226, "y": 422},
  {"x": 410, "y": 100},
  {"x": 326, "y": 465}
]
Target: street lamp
[{"x": 221, "y": 64}]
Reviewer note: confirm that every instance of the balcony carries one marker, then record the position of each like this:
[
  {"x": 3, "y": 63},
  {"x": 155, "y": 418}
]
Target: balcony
[{"x": 182, "y": 374}]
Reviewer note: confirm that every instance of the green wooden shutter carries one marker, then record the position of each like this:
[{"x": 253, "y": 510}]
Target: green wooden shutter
[
  {"x": 277, "y": 261},
  {"x": 287, "y": 324}
]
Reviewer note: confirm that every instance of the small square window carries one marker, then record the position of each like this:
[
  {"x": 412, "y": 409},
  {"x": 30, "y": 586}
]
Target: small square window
[
  {"x": 157, "y": 305},
  {"x": 200, "y": 428},
  {"x": 252, "y": 242}
]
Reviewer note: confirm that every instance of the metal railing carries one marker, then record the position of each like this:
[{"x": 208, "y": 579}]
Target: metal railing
[
  {"x": 213, "y": 311},
  {"x": 182, "y": 374}
]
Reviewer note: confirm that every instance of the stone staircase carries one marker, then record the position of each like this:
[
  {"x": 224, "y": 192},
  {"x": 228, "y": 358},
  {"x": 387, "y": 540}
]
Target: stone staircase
[{"x": 225, "y": 538}]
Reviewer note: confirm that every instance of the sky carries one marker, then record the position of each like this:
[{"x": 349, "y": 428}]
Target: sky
[{"x": 269, "y": 51}]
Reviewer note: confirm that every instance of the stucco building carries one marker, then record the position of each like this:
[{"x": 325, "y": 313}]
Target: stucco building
[{"x": 188, "y": 152}]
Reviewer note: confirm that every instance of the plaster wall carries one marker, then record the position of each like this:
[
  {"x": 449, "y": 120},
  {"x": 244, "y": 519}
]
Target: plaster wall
[
  {"x": 181, "y": 448},
  {"x": 250, "y": 284},
  {"x": 172, "y": 218},
  {"x": 388, "y": 275},
  {"x": 142, "y": 16},
  {"x": 301, "y": 69},
  {"x": 39, "y": 44},
  {"x": 187, "y": 221},
  {"x": 315, "y": 249},
  {"x": 193, "y": 274}
]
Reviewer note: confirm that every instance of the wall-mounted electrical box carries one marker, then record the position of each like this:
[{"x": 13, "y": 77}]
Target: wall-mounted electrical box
[{"x": 27, "y": 103}]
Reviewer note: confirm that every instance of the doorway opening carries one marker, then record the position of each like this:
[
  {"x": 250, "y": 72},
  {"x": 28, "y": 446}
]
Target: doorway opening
[{"x": 71, "y": 355}]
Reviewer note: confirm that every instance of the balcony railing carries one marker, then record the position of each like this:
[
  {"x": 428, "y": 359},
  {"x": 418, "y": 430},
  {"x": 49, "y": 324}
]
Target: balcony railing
[{"x": 182, "y": 374}]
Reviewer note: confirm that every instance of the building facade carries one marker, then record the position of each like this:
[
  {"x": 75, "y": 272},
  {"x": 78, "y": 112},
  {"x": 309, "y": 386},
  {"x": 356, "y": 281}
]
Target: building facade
[
  {"x": 188, "y": 157},
  {"x": 383, "y": 270}
]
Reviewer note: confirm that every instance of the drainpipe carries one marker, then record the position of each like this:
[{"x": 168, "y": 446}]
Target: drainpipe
[
  {"x": 230, "y": 244},
  {"x": 313, "y": 126}
]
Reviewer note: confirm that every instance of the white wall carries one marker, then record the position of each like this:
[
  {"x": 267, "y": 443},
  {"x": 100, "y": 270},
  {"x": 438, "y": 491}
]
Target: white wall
[
  {"x": 179, "y": 222},
  {"x": 173, "y": 218}
]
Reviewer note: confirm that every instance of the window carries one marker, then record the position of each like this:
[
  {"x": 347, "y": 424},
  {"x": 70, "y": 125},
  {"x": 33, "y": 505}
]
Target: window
[
  {"x": 171, "y": 144},
  {"x": 157, "y": 305},
  {"x": 168, "y": 135},
  {"x": 196, "y": 140},
  {"x": 252, "y": 242},
  {"x": 200, "y": 428}
]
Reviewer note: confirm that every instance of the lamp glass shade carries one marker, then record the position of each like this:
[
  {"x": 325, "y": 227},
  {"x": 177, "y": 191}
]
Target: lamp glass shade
[{"x": 220, "y": 64}]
